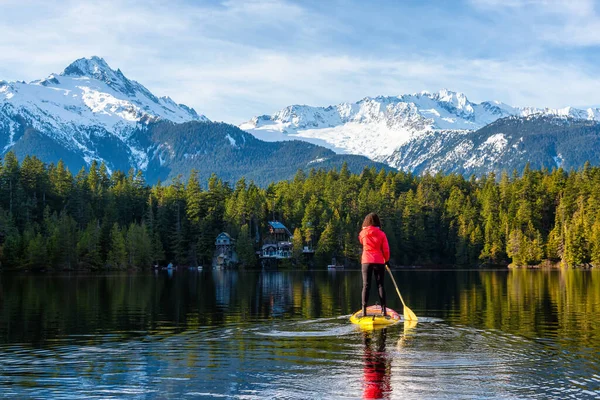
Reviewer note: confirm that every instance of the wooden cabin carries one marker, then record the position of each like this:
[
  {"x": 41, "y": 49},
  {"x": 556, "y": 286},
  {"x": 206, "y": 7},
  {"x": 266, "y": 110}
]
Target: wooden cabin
[{"x": 277, "y": 244}]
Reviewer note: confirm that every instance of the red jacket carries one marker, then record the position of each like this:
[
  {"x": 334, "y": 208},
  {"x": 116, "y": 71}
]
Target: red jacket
[{"x": 376, "y": 249}]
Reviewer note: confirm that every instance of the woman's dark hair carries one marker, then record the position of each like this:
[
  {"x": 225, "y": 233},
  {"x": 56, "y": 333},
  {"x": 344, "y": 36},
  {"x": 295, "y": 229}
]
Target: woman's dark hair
[{"x": 372, "y": 219}]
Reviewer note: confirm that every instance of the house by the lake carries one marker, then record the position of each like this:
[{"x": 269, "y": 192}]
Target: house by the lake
[
  {"x": 225, "y": 255},
  {"x": 277, "y": 243}
]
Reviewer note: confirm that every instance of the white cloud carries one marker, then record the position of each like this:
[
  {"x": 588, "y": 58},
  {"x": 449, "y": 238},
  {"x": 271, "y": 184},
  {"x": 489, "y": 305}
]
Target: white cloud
[
  {"x": 269, "y": 82},
  {"x": 236, "y": 59},
  {"x": 561, "y": 22}
]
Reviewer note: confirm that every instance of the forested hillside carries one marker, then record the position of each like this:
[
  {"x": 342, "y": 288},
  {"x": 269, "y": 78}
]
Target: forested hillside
[
  {"x": 231, "y": 153},
  {"x": 52, "y": 219}
]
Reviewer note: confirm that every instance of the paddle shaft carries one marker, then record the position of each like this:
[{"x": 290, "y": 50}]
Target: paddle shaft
[
  {"x": 396, "y": 286},
  {"x": 409, "y": 315}
]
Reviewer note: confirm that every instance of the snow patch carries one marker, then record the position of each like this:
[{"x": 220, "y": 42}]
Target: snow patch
[
  {"x": 140, "y": 157},
  {"x": 11, "y": 135},
  {"x": 375, "y": 141},
  {"x": 558, "y": 160},
  {"x": 516, "y": 145},
  {"x": 231, "y": 140},
  {"x": 496, "y": 143},
  {"x": 317, "y": 160}
]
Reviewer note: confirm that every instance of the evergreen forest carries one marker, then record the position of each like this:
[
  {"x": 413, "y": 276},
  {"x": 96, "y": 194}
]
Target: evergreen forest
[{"x": 51, "y": 219}]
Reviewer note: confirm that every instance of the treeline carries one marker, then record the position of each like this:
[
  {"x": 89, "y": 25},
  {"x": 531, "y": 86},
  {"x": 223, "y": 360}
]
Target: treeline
[{"x": 52, "y": 219}]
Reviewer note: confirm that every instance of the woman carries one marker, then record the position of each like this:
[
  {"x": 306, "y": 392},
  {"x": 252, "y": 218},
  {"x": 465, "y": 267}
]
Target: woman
[{"x": 376, "y": 253}]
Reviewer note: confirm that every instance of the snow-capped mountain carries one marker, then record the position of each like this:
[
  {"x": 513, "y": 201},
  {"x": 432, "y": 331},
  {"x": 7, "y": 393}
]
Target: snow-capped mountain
[
  {"x": 87, "y": 101},
  {"x": 377, "y": 127}
]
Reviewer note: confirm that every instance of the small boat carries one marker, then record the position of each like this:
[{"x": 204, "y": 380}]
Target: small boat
[{"x": 334, "y": 265}]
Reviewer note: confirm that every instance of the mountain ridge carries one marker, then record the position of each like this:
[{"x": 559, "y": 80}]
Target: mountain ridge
[{"x": 390, "y": 121}]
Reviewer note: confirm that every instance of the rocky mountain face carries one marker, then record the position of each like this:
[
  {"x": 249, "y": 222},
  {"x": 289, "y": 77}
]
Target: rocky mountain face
[{"x": 543, "y": 141}]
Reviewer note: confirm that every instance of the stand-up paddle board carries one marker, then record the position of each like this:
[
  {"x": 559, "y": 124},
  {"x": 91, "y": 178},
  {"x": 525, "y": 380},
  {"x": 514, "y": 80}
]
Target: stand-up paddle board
[{"x": 375, "y": 318}]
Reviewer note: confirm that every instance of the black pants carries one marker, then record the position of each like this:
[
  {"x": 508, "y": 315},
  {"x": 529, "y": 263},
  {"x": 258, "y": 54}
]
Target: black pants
[{"x": 367, "y": 271}]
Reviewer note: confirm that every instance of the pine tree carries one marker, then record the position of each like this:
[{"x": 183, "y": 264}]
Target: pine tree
[
  {"x": 298, "y": 246},
  {"x": 595, "y": 244},
  {"x": 515, "y": 247},
  {"x": 245, "y": 248},
  {"x": 350, "y": 248},
  {"x": 138, "y": 246},
  {"x": 88, "y": 247},
  {"x": 525, "y": 249},
  {"x": 326, "y": 245},
  {"x": 193, "y": 204},
  {"x": 11, "y": 250},
  {"x": 62, "y": 241},
  {"x": 117, "y": 255},
  {"x": 36, "y": 252},
  {"x": 158, "y": 251},
  {"x": 575, "y": 245}
]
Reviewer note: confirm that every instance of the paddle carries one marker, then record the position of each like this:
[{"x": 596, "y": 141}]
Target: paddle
[{"x": 408, "y": 314}]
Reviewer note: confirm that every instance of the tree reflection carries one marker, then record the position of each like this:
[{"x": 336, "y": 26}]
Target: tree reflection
[{"x": 36, "y": 308}]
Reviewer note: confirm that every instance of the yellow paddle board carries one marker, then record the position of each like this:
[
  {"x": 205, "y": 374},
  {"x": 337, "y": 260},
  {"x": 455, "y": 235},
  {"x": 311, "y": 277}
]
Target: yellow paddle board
[{"x": 374, "y": 318}]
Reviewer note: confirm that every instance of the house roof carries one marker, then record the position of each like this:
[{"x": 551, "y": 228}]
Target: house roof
[
  {"x": 224, "y": 233},
  {"x": 277, "y": 225}
]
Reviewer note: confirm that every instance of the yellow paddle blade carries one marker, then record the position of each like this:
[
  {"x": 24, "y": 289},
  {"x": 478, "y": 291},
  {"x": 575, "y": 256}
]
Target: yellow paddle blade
[{"x": 409, "y": 315}]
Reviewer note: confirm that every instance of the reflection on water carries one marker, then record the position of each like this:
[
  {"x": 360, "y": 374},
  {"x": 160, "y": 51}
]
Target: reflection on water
[
  {"x": 489, "y": 334},
  {"x": 378, "y": 365}
]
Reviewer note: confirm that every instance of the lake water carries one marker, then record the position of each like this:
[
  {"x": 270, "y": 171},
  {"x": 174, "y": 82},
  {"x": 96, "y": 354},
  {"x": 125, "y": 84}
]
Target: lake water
[{"x": 286, "y": 334}]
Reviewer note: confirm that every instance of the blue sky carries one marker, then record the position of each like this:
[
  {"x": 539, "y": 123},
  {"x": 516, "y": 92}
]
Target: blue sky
[{"x": 232, "y": 60}]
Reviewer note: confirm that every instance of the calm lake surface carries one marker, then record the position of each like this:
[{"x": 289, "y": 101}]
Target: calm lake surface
[{"x": 286, "y": 334}]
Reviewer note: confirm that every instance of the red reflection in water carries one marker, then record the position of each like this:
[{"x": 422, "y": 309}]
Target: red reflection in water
[{"x": 377, "y": 368}]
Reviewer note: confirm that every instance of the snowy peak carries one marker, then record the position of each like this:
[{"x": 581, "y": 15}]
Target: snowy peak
[
  {"x": 591, "y": 114},
  {"x": 94, "y": 67},
  {"x": 423, "y": 111},
  {"x": 457, "y": 99},
  {"x": 89, "y": 90}
]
